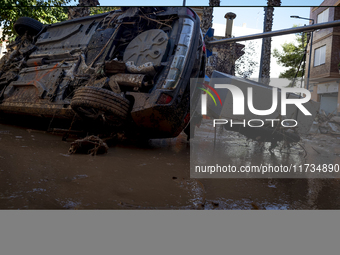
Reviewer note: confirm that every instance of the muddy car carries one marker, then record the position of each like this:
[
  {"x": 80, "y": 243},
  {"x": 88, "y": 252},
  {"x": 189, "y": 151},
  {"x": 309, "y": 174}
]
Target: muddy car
[{"x": 129, "y": 68}]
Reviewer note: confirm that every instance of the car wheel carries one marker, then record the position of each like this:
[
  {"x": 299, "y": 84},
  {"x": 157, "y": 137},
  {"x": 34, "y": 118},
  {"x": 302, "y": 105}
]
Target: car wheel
[
  {"x": 30, "y": 25},
  {"x": 92, "y": 103}
]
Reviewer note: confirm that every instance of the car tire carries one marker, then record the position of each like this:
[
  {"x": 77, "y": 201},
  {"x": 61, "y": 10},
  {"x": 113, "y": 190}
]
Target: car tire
[
  {"x": 30, "y": 25},
  {"x": 92, "y": 103}
]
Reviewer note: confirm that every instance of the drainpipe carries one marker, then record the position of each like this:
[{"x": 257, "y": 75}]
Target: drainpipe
[{"x": 230, "y": 16}]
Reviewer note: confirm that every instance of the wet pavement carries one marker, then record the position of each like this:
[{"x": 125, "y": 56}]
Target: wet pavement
[{"x": 36, "y": 172}]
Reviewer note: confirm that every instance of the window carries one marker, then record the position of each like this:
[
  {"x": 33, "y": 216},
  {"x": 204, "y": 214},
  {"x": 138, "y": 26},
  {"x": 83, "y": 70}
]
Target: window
[
  {"x": 320, "y": 56},
  {"x": 323, "y": 16}
]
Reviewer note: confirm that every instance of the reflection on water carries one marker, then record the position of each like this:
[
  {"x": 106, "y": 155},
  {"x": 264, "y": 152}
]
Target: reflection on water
[
  {"x": 232, "y": 151},
  {"x": 37, "y": 173}
]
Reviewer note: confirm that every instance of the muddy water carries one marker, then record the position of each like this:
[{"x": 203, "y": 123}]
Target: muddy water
[{"x": 36, "y": 172}]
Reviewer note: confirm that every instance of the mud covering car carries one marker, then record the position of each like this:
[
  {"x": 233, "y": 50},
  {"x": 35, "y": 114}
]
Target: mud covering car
[{"x": 128, "y": 69}]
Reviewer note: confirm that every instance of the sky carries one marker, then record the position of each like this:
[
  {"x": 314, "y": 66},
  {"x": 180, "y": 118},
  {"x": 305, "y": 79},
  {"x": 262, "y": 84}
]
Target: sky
[{"x": 253, "y": 16}]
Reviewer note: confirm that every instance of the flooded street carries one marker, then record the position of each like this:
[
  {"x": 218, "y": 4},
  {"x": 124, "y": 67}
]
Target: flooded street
[{"x": 36, "y": 172}]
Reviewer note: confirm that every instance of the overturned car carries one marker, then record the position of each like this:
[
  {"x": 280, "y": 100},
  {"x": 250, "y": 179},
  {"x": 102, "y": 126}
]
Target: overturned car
[{"x": 127, "y": 68}]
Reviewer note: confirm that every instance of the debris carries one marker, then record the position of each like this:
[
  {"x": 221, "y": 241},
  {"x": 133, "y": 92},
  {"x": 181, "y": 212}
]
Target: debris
[
  {"x": 326, "y": 124},
  {"x": 315, "y": 150},
  {"x": 303, "y": 149},
  {"x": 265, "y": 134},
  {"x": 333, "y": 127},
  {"x": 335, "y": 119},
  {"x": 89, "y": 145},
  {"x": 323, "y": 130},
  {"x": 215, "y": 204},
  {"x": 314, "y": 128},
  {"x": 255, "y": 206}
]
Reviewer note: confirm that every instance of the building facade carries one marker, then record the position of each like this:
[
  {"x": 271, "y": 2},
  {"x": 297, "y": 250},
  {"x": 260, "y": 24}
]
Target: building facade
[{"x": 325, "y": 60}]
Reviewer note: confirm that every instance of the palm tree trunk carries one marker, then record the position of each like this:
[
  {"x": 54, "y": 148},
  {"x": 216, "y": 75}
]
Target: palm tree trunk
[
  {"x": 206, "y": 21},
  {"x": 82, "y": 9},
  {"x": 266, "y": 48},
  {"x": 207, "y": 15}
]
